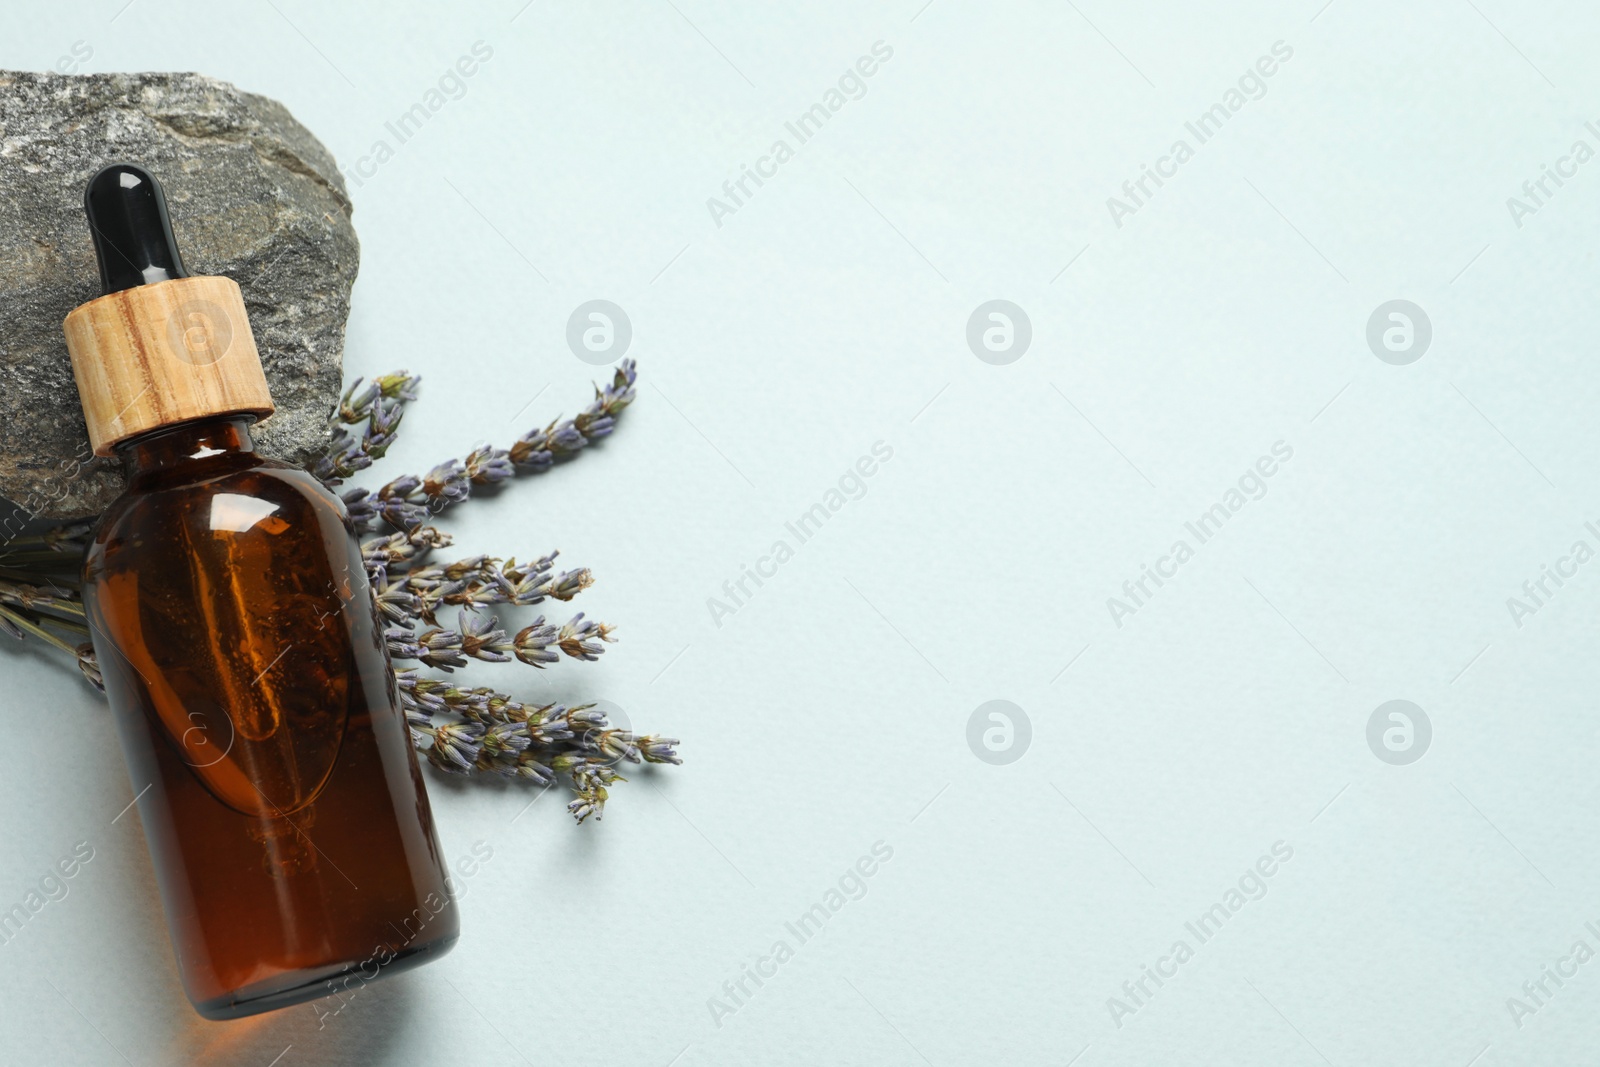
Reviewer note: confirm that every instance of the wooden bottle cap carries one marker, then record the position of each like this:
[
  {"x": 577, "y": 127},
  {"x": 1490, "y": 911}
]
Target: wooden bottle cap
[{"x": 163, "y": 353}]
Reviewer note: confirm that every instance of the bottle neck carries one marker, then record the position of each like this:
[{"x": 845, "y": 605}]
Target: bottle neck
[{"x": 185, "y": 442}]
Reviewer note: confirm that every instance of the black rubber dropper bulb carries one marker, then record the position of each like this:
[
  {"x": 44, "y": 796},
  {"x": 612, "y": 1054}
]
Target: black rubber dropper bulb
[{"x": 131, "y": 231}]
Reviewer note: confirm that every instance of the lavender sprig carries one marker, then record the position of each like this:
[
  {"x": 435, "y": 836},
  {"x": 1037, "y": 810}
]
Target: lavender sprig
[
  {"x": 409, "y": 500},
  {"x": 381, "y": 406},
  {"x": 538, "y": 450},
  {"x": 467, "y": 731}
]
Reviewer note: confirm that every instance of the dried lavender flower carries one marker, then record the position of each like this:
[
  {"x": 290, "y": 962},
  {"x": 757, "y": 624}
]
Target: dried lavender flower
[
  {"x": 539, "y": 449},
  {"x": 531, "y": 584},
  {"x": 528, "y": 766},
  {"x": 482, "y": 639},
  {"x": 360, "y": 504},
  {"x": 381, "y": 406},
  {"x": 568, "y": 584},
  {"x": 405, "y": 487},
  {"x": 591, "y": 801},
  {"x": 451, "y": 482},
  {"x": 456, "y": 746},
  {"x": 505, "y": 739},
  {"x": 485, "y": 466},
  {"x": 533, "y": 643},
  {"x": 441, "y": 649},
  {"x": 402, "y": 643},
  {"x": 467, "y": 568},
  {"x": 418, "y": 692},
  {"x": 402, "y": 547},
  {"x": 431, "y": 588},
  {"x": 356, "y": 403},
  {"x": 396, "y": 600},
  {"x": 447, "y": 483},
  {"x": 382, "y": 427},
  {"x": 345, "y": 457},
  {"x": 614, "y": 744},
  {"x": 575, "y": 639},
  {"x": 398, "y": 385}
]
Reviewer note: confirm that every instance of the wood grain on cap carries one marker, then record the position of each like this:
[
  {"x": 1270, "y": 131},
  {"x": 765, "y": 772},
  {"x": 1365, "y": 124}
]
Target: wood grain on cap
[{"x": 164, "y": 353}]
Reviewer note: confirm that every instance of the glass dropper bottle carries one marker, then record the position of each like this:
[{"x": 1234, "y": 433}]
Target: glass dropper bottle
[{"x": 241, "y": 649}]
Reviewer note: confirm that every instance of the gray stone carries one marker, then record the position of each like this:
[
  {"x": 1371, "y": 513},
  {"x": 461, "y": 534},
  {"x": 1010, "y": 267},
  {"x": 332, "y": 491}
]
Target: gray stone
[{"x": 253, "y": 195}]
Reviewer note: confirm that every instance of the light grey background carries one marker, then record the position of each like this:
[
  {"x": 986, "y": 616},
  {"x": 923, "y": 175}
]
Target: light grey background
[{"x": 829, "y": 312}]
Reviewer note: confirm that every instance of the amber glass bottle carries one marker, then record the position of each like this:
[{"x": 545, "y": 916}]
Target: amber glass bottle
[{"x": 241, "y": 651}]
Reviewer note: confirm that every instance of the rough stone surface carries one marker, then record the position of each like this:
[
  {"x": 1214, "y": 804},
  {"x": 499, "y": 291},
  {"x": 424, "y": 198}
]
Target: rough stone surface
[{"x": 253, "y": 195}]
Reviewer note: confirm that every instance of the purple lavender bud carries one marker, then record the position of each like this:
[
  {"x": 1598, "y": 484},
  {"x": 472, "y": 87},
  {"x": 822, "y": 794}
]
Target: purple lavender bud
[
  {"x": 566, "y": 438},
  {"x": 576, "y": 638},
  {"x": 530, "y": 768},
  {"x": 587, "y": 713},
  {"x": 405, "y": 487},
  {"x": 553, "y": 726},
  {"x": 344, "y": 458},
  {"x": 441, "y": 649},
  {"x": 506, "y": 738},
  {"x": 485, "y": 466},
  {"x": 598, "y": 427},
  {"x": 353, "y": 406},
  {"x": 533, "y": 643},
  {"x": 386, "y": 416},
  {"x": 482, "y": 639},
  {"x": 569, "y": 584},
  {"x": 539, "y": 459},
  {"x": 402, "y": 643},
  {"x": 619, "y": 394},
  {"x": 447, "y": 482},
  {"x": 359, "y": 503},
  {"x": 457, "y": 746},
  {"x": 659, "y": 749},
  {"x": 401, "y": 513},
  {"x": 398, "y": 603}
]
